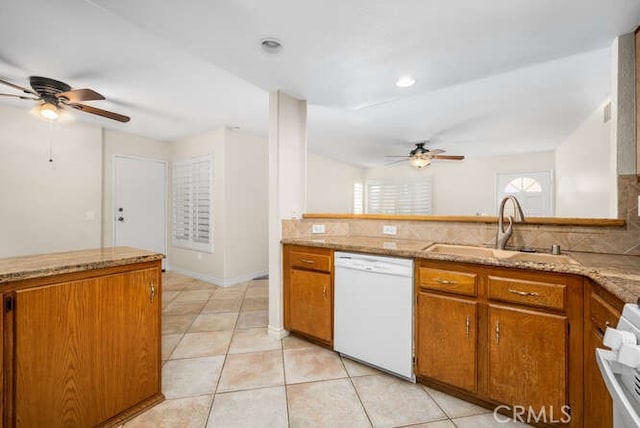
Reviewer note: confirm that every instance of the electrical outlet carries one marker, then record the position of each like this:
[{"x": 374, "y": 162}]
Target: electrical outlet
[
  {"x": 317, "y": 228},
  {"x": 389, "y": 230}
]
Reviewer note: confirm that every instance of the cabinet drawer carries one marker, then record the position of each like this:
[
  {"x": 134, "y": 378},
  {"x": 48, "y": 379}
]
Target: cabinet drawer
[
  {"x": 449, "y": 281},
  {"x": 532, "y": 293},
  {"x": 602, "y": 314},
  {"x": 319, "y": 262}
]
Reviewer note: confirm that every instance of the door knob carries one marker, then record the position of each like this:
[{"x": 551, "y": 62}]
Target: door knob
[{"x": 121, "y": 219}]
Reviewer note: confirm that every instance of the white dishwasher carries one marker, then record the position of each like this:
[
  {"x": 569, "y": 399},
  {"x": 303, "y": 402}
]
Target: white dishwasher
[{"x": 373, "y": 311}]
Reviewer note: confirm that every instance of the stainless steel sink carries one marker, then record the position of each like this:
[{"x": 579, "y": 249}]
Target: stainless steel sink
[{"x": 483, "y": 252}]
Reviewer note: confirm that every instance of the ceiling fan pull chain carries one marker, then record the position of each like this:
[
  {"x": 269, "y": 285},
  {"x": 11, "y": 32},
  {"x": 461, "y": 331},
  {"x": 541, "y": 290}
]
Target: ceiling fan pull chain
[{"x": 50, "y": 143}]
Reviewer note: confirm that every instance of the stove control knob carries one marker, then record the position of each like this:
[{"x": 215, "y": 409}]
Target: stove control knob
[
  {"x": 614, "y": 339},
  {"x": 629, "y": 355}
]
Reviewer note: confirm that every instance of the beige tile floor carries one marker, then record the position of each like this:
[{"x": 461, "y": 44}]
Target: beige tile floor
[{"x": 221, "y": 369}]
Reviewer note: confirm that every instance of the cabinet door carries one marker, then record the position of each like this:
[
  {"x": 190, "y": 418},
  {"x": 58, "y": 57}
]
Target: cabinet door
[
  {"x": 310, "y": 304},
  {"x": 54, "y": 353},
  {"x": 86, "y": 350},
  {"x": 599, "y": 316},
  {"x": 129, "y": 332},
  {"x": 528, "y": 358},
  {"x": 447, "y": 340}
]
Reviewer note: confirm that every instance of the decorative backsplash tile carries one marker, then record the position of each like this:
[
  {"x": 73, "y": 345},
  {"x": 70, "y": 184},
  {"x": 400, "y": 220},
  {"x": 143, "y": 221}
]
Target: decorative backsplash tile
[{"x": 611, "y": 240}]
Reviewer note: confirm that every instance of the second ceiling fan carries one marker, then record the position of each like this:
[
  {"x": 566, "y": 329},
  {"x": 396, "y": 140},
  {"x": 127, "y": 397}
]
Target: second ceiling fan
[{"x": 420, "y": 156}]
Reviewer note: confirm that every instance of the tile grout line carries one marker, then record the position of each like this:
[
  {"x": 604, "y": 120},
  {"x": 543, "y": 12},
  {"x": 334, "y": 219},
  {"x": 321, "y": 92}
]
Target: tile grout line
[
  {"x": 224, "y": 363},
  {"x": 366, "y": 413}
]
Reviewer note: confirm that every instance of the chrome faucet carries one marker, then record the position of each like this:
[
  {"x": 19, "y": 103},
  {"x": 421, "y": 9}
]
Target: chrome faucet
[{"x": 503, "y": 234}]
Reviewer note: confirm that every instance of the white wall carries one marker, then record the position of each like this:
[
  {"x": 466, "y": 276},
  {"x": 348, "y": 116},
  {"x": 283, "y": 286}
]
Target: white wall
[
  {"x": 48, "y": 207},
  {"x": 467, "y": 187},
  {"x": 584, "y": 170},
  {"x": 207, "y": 266},
  {"x": 119, "y": 143},
  {"x": 330, "y": 185},
  {"x": 240, "y": 199},
  {"x": 246, "y": 207}
]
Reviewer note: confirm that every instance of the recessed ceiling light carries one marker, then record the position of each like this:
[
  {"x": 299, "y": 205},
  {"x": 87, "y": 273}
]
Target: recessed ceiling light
[
  {"x": 271, "y": 45},
  {"x": 405, "y": 82}
]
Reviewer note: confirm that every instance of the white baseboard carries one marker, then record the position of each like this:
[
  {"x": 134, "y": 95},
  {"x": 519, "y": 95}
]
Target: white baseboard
[
  {"x": 215, "y": 280},
  {"x": 277, "y": 332}
]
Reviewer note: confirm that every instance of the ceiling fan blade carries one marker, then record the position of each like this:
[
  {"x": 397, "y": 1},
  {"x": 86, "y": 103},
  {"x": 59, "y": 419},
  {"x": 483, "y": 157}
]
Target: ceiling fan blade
[
  {"x": 78, "y": 95},
  {"x": 20, "y": 88},
  {"x": 436, "y": 151},
  {"x": 99, "y": 112},
  {"x": 22, "y": 97},
  {"x": 450, "y": 157},
  {"x": 391, "y": 156},
  {"x": 396, "y": 162}
]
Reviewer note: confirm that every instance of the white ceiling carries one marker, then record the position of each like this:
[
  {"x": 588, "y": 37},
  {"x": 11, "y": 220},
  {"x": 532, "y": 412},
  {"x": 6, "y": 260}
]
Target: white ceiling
[{"x": 493, "y": 76}]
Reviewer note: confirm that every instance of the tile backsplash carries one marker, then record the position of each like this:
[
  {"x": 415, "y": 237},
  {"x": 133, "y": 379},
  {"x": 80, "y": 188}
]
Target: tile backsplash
[{"x": 611, "y": 240}]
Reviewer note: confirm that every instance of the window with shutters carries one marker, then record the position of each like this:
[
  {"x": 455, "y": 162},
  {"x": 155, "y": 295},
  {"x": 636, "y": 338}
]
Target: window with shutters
[
  {"x": 193, "y": 203},
  {"x": 401, "y": 196}
]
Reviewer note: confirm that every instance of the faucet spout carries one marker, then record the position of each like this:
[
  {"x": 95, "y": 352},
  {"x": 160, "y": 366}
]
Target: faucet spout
[{"x": 503, "y": 233}]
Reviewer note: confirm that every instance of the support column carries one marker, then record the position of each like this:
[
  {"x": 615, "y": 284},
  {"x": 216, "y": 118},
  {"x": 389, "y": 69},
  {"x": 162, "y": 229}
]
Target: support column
[{"x": 287, "y": 187}]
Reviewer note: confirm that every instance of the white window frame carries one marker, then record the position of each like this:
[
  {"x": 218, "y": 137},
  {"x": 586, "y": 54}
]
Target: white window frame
[{"x": 192, "y": 228}]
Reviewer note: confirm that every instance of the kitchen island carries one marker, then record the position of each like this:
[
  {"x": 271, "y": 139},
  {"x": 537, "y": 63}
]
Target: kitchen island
[{"x": 81, "y": 337}]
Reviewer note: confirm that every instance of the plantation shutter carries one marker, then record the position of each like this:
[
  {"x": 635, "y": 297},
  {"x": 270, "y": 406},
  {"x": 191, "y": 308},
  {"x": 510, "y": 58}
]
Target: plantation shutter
[
  {"x": 407, "y": 197},
  {"x": 192, "y": 203}
]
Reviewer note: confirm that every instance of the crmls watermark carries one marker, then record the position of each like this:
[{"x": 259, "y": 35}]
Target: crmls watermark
[{"x": 528, "y": 414}]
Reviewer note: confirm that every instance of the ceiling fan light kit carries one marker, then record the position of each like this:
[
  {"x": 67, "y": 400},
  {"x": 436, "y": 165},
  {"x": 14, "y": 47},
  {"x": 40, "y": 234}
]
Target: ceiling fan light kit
[
  {"x": 49, "y": 111},
  {"x": 420, "y": 161}
]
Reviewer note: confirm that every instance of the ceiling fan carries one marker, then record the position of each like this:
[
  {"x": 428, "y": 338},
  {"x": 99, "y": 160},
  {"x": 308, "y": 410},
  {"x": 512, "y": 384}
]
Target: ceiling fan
[
  {"x": 55, "y": 95},
  {"x": 420, "y": 156}
]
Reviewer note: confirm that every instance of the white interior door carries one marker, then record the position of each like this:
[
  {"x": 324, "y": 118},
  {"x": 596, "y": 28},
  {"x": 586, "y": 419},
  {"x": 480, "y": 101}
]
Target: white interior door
[
  {"x": 532, "y": 189},
  {"x": 140, "y": 203}
]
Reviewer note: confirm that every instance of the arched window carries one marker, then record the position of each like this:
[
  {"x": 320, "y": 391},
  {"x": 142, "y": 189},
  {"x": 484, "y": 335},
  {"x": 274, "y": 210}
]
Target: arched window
[{"x": 533, "y": 191}]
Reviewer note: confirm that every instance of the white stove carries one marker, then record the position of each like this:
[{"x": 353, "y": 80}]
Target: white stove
[{"x": 620, "y": 367}]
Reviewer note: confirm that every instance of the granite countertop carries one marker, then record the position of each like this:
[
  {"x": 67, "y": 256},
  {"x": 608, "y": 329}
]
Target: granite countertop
[
  {"x": 618, "y": 274},
  {"x": 42, "y": 265}
]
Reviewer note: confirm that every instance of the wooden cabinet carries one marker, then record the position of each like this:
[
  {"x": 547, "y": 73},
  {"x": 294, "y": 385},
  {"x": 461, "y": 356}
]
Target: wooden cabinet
[
  {"x": 527, "y": 358},
  {"x": 518, "y": 348},
  {"x": 601, "y": 311},
  {"x": 85, "y": 348},
  {"x": 308, "y": 292},
  {"x": 447, "y": 339}
]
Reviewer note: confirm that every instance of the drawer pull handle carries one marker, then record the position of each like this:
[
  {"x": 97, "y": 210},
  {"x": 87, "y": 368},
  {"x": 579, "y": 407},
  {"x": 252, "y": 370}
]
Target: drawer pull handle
[
  {"x": 444, "y": 281},
  {"x": 497, "y": 332},
  {"x": 324, "y": 292},
  {"x": 307, "y": 261},
  {"x": 467, "y": 325},
  {"x": 152, "y": 291},
  {"x": 523, "y": 293}
]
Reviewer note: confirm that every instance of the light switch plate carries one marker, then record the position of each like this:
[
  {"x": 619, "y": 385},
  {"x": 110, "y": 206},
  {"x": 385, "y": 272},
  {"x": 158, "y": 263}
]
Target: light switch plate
[
  {"x": 317, "y": 228},
  {"x": 389, "y": 230}
]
